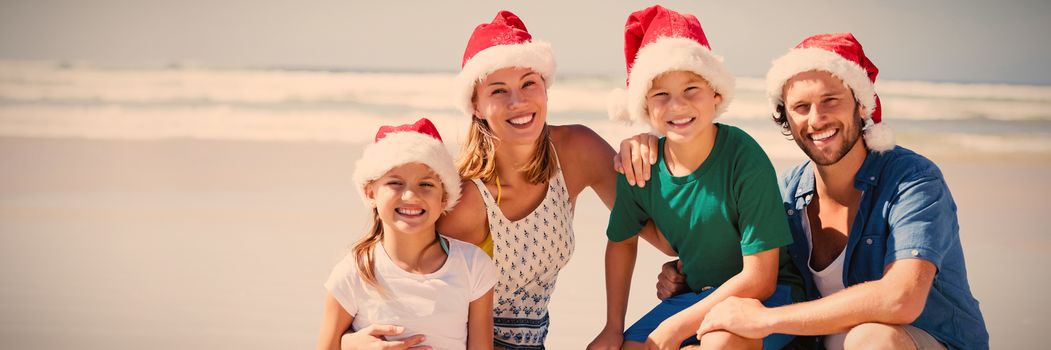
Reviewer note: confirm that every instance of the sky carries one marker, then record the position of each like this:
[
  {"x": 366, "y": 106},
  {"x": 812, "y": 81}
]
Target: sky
[{"x": 934, "y": 40}]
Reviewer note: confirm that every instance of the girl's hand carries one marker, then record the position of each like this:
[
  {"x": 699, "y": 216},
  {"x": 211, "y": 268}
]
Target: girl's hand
[
  {"x": 608, "y": 339},
  {"x": 371, "y": 337},
  {"x": 639, "y": 152},
  {"x": 671, "y": 281}
]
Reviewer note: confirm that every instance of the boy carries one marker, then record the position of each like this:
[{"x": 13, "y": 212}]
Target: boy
[{"x": 714, "y": 196}]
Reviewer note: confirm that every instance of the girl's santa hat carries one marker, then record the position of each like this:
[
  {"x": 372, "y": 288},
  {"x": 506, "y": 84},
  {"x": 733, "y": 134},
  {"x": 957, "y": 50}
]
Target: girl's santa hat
[
  {"x": 503, "y": 43},
  {"x": 659, "y": 40},
  {"x": 404, "y": 144},
  {"x": 840, "y": 54}
]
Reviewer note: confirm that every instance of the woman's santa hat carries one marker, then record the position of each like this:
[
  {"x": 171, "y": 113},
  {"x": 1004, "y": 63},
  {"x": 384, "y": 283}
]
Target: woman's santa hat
[
  {"x": 840, "y": 54},
  {"x": 404, "y": 144},
  {"x": 503, "y": 43},
  {"x": 659, "y": 40}
]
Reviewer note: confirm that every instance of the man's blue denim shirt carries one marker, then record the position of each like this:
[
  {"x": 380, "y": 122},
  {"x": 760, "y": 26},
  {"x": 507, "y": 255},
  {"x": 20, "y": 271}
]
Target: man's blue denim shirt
[{"x": 906, "y": 212}]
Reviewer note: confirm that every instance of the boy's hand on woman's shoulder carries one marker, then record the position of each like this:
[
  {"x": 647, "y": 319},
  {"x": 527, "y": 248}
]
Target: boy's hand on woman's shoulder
[{"x": 639, "y": 152}]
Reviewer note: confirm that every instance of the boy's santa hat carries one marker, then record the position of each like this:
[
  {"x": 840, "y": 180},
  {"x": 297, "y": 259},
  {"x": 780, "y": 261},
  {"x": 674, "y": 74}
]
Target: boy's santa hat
[
  {"x": 659, "y": 40},
  {"x": 503, "y": 43},
  {"x": 404, "y": 144},
  {"x": 840, "y": 54}
]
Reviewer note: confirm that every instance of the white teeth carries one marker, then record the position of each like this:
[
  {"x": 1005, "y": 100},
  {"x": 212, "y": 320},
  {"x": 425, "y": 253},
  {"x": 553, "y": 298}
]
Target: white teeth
[
  {"x": 681, "y": 121},
  {"x": 403, "y": 211},
  {"x": 522, "y": 120},
  {"x": 822, "y": 136}
]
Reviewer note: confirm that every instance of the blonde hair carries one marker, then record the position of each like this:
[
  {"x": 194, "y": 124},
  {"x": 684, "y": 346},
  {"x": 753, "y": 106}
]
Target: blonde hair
[
  {"x": 478, "y": 154},
  {"x": 364, "y": 249}
]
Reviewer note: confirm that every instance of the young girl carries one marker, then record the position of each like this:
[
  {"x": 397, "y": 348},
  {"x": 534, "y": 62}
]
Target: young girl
[
  {"x": 714, "y": 194},
  {"x": 402, "y": 272}
]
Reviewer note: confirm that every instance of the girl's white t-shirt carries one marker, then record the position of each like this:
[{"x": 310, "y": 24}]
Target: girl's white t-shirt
[{"x": 435, "y": 304}]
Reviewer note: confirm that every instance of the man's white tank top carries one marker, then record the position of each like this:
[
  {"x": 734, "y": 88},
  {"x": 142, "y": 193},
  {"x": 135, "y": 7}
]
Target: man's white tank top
[{"x": 827, "y": 281}]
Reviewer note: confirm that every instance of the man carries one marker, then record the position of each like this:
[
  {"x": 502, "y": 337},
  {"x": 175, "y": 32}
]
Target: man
[{"x": 875, "y": 232}]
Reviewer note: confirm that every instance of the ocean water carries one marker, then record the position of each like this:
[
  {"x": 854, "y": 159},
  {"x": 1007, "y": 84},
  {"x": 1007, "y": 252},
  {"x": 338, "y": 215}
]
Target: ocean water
[{"x": 61, "y": 99}]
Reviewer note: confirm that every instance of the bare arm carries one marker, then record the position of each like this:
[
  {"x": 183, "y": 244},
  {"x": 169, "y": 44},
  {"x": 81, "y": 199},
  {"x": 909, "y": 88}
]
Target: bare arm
[
  {"x": 588, "y": 162},
  {"x": 649, "y": 232},
  {"x": 757, "y": 280},
  {"x": 620, "y": 263},
  {"x": 597, "y": 167},
  {"x": 640, "y": 151},
  {"x": 480, "y": 322},
  {"x": 334, "y": 321},
  {"x": 897, "y": 298},
  {"x": 464, "y": 222}
]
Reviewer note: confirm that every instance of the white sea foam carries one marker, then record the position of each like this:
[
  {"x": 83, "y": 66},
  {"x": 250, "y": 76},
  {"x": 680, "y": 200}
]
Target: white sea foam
[
  {"x": 79, "y": 100},
  {"x": 220, "y": 123}
]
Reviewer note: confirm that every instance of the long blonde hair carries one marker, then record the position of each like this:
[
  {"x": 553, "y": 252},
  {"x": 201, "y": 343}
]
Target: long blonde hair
[
  {"x": 364, "y": 249},
  {"x": 478, "y": 155}
]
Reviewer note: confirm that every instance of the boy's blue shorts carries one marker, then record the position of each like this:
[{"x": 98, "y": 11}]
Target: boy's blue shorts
[{"x": 668, "y": 307}]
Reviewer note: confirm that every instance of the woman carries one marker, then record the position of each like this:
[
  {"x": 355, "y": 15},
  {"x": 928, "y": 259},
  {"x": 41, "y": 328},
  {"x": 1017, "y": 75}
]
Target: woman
[{"x": 523, "y": 173}]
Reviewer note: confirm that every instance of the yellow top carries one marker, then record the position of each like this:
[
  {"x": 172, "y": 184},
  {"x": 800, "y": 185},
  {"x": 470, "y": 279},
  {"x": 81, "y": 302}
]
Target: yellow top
[
  {"x": 487, "y": 244},
  {"x": 498, "y": 192}
]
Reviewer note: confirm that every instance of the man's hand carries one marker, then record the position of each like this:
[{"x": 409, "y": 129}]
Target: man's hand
[
  {"x": 639, "y": 151},
  {"x": 744, "y": 317},
  {"x": 608, "y": 339},
  {"x": 371, "y": 338},
  {"x": 671, "y": 281}
]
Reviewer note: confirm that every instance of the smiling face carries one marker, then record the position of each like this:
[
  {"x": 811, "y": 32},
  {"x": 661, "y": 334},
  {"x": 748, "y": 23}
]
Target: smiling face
[
  {"x": 409, "y": 199},
  {"x": 681, "y": 105},
  {"x": 823, "y": 116},
  {"x": 514, "y": 103}
]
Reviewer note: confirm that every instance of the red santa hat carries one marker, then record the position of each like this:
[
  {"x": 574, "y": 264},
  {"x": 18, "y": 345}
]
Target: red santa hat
[
  {"x": 503, "y": 43},
  {"x": 658, "y": 40},
  {"x": 840, "y": 54},
  {"x": 404, "y": 144}
]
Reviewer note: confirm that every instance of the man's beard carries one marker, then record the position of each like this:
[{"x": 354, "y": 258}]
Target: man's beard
[{"x": 850, "y": 136}]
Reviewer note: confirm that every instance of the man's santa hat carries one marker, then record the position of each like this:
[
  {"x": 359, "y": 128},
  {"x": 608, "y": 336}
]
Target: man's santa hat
[
  {"x": 503, "y": 43},
  {"x": 840, "y": 54},
  {"x": 659, "y": 40},
  {"x": 404, "y": 144}
]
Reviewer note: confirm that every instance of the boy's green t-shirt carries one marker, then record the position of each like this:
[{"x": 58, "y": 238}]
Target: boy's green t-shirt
[{"x": 728, "y": 207}]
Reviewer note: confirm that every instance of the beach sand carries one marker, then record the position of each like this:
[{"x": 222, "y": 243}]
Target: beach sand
[{"x": 195, "y": 244}]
